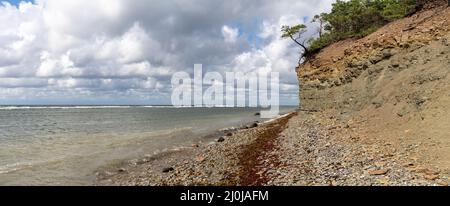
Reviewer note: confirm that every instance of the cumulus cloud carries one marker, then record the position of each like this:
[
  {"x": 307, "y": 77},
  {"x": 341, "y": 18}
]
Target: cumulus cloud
[
  {"x": 106, "y": 50},
  {"x": 230, "y": 34}
]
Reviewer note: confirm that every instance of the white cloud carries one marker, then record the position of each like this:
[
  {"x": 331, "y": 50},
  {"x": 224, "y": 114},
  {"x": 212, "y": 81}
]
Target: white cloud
[
  {"x": 278, "y": 55},
  {"x": 75, "y": 48},
  {"x": 230, "y": 34}
]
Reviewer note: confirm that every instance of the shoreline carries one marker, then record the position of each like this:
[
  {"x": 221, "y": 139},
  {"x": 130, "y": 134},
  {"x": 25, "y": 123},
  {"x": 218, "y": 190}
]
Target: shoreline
[
  {"x": 301, "y": 148},
  {"x": 152, "y": 169}
]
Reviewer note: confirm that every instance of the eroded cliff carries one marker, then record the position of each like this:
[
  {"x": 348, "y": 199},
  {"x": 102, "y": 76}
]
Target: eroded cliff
[{"x": 393, "y": 84}]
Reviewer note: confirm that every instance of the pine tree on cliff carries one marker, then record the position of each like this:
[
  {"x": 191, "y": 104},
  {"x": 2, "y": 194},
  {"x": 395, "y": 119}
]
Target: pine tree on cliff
[{"x": 295, "y": 33}]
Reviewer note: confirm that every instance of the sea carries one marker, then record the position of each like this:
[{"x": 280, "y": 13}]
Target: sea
[{"x": 67, "y": 145}]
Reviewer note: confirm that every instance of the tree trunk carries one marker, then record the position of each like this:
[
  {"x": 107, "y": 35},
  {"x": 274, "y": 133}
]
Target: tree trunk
[
  {"x": 321, "y": 28},
  {"x": 300, "y": 44}
]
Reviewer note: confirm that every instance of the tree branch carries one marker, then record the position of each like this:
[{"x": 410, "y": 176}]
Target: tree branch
[{"x": 300, "y": 44}]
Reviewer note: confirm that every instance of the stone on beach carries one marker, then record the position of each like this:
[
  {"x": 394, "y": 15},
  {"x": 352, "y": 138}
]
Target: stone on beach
[
  {"x": 168, "y": 169},
  {"x": 378, "y": 172}
]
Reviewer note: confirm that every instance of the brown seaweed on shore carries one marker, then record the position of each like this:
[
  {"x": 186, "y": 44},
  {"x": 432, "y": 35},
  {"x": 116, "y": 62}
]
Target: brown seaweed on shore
[{"x": 250, "y": 173}]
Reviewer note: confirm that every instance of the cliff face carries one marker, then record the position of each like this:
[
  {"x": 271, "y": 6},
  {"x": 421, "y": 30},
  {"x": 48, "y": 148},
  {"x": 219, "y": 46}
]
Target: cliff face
[
  {"x": 352, "y": 73},
  {"x": 393, "y": 84}
]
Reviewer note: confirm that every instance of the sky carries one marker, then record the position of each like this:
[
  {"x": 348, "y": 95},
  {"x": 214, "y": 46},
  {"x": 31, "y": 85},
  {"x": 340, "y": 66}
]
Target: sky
[{"x": 125, "y": 51}]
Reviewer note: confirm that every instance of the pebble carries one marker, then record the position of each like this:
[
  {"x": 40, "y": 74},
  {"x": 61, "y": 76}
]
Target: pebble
[
  {"x": 431, "y": 177},
  {"x": 380, "y": 164},
  {"x": 200, "y": 158},
  {"x": 168, "y": 169},
  {"x": 221, "y": 139},
  {"x": 378, "y": 172}
]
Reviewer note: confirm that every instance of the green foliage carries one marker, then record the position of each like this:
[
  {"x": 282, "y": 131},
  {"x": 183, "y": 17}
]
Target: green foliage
[
  {"x": 398, "y": 9},
  {"x": 295, "y": 34},
  {"x": 317, "y": 44},
  {"x": 291, "y": 31},
  {"x": 359, "y": 18}
]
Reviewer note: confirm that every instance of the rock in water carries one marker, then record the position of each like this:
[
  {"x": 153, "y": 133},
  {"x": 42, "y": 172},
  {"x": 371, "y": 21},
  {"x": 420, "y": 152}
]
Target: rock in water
[{"x": 221, "y": 139}]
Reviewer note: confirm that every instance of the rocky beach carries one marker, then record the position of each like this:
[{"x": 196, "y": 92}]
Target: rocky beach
[{"x": 302, "y": 148}]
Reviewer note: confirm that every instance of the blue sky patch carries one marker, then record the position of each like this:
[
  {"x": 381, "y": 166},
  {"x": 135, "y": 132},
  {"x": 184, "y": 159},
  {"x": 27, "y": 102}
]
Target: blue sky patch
[{"x": 16, "y": 2}]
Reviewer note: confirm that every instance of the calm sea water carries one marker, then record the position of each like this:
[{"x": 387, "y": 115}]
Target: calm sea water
[{"x": 66, "y": 145}]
